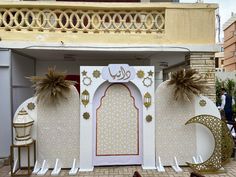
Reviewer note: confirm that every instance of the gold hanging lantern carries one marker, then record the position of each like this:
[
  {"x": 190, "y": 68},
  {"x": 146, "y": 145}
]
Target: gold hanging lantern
[
  {"x": 85, "y": 98},
  {"x": 147, "y": 100},
  {"x": 23, "y": 124}
]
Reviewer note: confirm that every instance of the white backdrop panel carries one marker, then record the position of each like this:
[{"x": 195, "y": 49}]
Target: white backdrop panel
[
  {"x": 58, "y": 131},
  {"x": 173, "y": 137},
  {"x": 205, "y": 139}
]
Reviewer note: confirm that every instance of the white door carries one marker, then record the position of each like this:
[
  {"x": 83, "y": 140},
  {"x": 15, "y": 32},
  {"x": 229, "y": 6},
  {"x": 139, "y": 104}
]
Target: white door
[{"x": 117, "y": 125}]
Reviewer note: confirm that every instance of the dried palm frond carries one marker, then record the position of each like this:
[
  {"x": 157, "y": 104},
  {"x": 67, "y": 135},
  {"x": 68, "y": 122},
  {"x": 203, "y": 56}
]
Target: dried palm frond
[
  {"x": 186, "y": 84},
  {"x": 52, "y": 87}
]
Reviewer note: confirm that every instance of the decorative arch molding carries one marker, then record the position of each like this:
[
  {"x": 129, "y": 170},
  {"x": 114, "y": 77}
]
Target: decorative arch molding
[
  {"x": 105, "y": 93},
  {"x": 93, "y": 78}
]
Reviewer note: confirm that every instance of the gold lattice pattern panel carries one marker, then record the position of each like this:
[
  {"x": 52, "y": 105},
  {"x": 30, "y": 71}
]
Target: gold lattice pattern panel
[
  {"x": 117, "y": 123},
  {"x": 223, "y": 143},
  {"x": 84, "y": 21}
]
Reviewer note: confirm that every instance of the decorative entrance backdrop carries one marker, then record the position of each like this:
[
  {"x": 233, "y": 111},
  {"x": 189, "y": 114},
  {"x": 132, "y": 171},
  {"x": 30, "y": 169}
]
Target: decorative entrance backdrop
[
  {"x": 92, "y": 77},
  {"x": 117, "y": 123}
]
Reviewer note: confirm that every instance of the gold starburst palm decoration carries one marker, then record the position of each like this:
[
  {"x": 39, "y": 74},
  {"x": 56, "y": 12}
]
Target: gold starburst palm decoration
[
  {"x": 52, "y": 87},
  {"x": 186, "y": 84}
]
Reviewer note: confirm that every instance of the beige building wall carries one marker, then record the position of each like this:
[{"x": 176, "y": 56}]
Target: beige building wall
[
  {"x": 204, "y": 62},
  {"x": 230, "y": 44},
  {"x": 219, "y": 61}
]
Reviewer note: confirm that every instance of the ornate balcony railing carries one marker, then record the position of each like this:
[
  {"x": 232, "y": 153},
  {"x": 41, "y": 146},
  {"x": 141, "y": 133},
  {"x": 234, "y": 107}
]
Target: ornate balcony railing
[
  {"x": 116, "y": 23},
  {"x": 80, "y": 20}
]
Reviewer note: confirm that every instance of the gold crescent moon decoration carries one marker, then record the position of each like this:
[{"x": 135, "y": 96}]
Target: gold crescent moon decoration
[{"x": 223, "y": 143}]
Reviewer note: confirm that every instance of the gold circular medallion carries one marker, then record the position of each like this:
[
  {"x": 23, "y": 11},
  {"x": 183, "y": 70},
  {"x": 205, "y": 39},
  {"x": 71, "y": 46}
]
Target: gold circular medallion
[
  {"x": 202, "y": 103},
  {"x": 86, "y": 115},
  {"x": 140, "y": 74},
  {"x": 148, "y": 118},
  {"x": 31, "y": 106},
  {"x": 96, "y": 74}
]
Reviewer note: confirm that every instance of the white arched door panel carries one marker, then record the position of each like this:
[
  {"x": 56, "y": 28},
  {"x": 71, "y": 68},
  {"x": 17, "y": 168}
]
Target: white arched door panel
[{"x": 117, "y": 125}]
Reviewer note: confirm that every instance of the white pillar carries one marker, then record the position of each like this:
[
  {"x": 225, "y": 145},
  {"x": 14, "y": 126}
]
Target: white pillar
[
  {"x": 86, "y": 140},
  {"x": 5, "y": 103}
]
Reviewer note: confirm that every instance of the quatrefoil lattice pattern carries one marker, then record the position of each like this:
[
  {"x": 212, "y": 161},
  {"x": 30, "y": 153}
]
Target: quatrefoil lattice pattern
[{"x": 83, "y": 21}]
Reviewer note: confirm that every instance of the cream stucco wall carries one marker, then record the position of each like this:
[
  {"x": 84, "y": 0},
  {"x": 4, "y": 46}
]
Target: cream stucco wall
[
  {"x": 184, "y": 24},
  {"x": 189, "y": 26}
]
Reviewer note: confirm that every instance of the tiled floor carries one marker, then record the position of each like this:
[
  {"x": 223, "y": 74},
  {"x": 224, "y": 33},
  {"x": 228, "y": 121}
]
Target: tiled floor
[{"x": 127, "y": 171}]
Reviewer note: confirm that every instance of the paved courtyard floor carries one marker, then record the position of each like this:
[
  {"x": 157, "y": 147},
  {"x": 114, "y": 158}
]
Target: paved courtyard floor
[{"x": 127, "y": 171}]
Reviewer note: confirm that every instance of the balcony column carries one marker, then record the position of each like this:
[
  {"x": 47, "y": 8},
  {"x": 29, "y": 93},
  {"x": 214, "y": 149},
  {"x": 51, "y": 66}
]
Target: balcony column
[
  {"x": 5, "y": 103},
  {"x": 204, "y": 62}
]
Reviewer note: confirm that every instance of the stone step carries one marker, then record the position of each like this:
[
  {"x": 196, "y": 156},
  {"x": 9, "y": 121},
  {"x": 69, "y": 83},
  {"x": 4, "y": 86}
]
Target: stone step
[
  {"x": 1, "y": 163},
  {"x": 4, "y": 162},
  {"x": 7, "y": 161}
]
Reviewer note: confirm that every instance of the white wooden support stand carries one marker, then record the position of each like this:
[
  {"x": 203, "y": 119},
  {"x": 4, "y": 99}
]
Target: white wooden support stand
[
  {"x": 199, "y": 159},
  {"x": 16, "y": 163},
  {"x": 43, "y": 169},
  {"x": 57, "y": 168},
  {"x": 160, "y": 167},
  {"x": 194, "y": 160},
  {"x": 75, "y": 168},
  {"x": 176, "y": 166},
  {"x": 36, "y": 168}
]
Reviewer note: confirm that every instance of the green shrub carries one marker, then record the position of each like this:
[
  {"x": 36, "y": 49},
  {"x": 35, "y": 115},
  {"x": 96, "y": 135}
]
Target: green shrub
[{"x": 230, "y": 86}]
